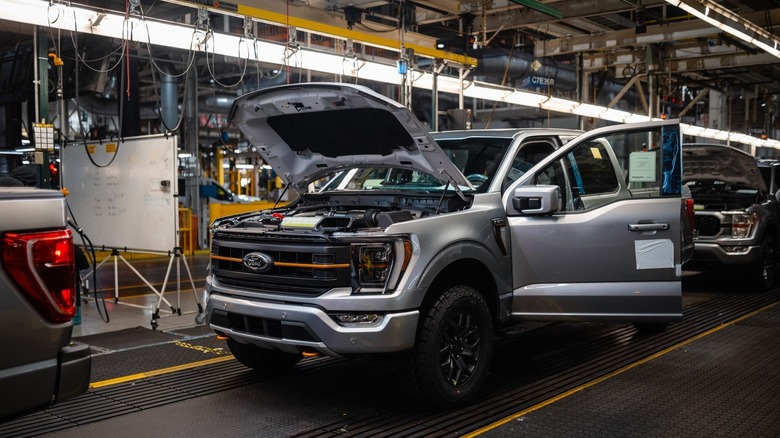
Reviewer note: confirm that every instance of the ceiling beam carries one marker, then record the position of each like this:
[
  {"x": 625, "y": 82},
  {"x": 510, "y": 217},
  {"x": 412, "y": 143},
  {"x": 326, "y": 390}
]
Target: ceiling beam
[
  {"x": 519, "y": 18},
  {"x": 708, "y": 63},
  {"x": 679, "y": 59},
  {"x": 614, "y": 40},
  {"x": 656, "y": 34},
  {"x": 333, "y": 24},
  {"x": 733, "y": 23}
]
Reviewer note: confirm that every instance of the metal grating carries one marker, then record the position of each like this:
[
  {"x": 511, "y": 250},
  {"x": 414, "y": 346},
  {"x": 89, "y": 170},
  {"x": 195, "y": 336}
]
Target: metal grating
[
  {"x": 520, "y": 378},
  {"x": 121, "y": 399}
]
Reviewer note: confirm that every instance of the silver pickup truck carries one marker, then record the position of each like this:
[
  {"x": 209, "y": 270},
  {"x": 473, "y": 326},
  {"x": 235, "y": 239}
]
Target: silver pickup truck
[
  {"x": 737, "y": 211},
  {"x": 427, "y": 244},
  {"x": 39, "y": 365}
]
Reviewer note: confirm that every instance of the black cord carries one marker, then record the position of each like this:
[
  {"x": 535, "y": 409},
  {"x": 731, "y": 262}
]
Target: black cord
[{"x": 100, "y": 298}]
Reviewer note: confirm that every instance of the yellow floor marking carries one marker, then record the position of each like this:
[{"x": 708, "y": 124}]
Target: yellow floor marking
[
  {"x": 219, "y": 351},
  {"x": 159, "y": 372},
  {"x": 610, "y": 375}
]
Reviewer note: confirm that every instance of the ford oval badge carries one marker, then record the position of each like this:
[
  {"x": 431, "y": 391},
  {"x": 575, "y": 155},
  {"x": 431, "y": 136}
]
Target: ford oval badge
[{"x": 258, "y": 262}]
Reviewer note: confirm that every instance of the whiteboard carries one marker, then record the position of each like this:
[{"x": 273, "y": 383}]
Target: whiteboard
[{"x": 124, "y": 197}]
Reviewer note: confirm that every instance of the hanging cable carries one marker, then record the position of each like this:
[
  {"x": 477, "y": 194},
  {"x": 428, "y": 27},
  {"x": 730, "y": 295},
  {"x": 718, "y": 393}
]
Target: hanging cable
[
  {"x": 74, "y": 38},
  {"x": 100, "y": 299}
]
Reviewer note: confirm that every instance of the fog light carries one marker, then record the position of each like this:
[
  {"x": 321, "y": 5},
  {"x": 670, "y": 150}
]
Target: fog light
[
  {"x": 735, "y": 249},
  {"x": 357, "y": 318}
]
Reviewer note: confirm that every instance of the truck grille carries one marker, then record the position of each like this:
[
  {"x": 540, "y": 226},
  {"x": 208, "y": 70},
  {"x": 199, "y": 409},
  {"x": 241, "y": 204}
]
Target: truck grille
[
  {"x": 293, "y": 268},
  {"x": 707, "y": 225}
]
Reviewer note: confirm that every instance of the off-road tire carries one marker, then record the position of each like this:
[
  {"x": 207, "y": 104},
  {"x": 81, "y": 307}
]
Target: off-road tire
[
  {"x": 451, "y": 357},
  {"x": 263, "y": 359}
]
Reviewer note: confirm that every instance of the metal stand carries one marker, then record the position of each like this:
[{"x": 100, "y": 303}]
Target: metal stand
[{"x": 177, "y": 254}]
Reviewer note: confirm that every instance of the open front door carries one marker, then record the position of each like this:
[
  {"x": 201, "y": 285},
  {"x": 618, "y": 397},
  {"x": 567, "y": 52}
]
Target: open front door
[{"x": 610, "y": 246}]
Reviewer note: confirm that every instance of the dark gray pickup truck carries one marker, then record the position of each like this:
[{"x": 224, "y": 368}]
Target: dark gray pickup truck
[
  {"x": 736, "y": 208},
  {"x": 39, "y": 364}
]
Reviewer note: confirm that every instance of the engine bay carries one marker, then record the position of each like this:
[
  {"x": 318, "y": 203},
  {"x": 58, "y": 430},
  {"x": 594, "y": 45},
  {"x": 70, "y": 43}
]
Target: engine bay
[{"x": 347, "y": 212}]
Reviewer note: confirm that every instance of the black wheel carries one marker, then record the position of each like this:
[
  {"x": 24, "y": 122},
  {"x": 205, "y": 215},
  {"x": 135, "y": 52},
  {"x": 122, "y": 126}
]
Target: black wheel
[
  {"x": 767, "y": 270},
  {"x": 451, "y": 357},
  {"x": 263, "y": 359}
]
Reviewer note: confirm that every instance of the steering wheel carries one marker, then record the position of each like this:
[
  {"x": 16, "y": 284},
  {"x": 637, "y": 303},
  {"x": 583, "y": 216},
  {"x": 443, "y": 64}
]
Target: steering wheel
[{"x": 477, "y": 178}]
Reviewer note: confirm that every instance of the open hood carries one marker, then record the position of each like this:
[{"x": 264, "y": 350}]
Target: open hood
[
  {"x": 307, "y": 130},
  {"x": 714, "y": 162}
]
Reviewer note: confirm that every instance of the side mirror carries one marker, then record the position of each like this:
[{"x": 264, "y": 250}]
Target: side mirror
[{"x": 537, "y": 200}]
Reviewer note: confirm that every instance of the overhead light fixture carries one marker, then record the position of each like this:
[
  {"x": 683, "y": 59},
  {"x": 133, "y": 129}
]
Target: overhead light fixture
[
  {"x": 588, "y": 110},
  {"x": 484, "y": 91},
  {"x": 692, "y": 130},
  {"x": 180, "y": 36},
  {"x": 721, "y": 135},
  {"x": 97, "y": 19},
  {"x": 526, "y": 98},
  {"x": 730, "y": 23},
  {"x": 615, "y": 115},
  {"x": 559, "y": 105},
  {"x": 637, "y": 118}
]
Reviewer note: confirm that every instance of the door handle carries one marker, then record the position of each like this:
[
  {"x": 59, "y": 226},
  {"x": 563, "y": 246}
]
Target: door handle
[{"x": 663, "y": 226}]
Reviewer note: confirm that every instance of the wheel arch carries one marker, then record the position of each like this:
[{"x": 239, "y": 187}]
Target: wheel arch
[
  {"x": 772, "y": 229},
  {"x": 470, "y": 272}
]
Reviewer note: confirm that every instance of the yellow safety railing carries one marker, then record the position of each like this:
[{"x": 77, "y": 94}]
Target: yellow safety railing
[{"x": 185, "y": 231}]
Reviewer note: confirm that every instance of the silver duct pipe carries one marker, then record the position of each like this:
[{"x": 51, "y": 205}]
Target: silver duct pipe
[
  {"x": 169, "y": 103},
  {"x": 520, "y": 69},
  {"x": 108, "y": 107}
]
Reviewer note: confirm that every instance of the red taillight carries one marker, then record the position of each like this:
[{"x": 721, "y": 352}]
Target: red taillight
[
  {"x": 43, "y": 265},
  {"x": 691, "y": 213}
]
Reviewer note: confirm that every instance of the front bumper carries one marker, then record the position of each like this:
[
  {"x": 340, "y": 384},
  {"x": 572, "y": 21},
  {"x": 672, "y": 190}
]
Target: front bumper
[
  {"x": 719, "y": 253},
  {"x": 295, "y": 327}
]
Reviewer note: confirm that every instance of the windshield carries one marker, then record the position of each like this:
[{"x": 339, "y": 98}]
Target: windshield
[{"x": 477, "y": 158}]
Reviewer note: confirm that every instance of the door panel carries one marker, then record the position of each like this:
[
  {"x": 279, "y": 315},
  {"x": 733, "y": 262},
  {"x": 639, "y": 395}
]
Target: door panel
[{"x": 617, "y": 233}]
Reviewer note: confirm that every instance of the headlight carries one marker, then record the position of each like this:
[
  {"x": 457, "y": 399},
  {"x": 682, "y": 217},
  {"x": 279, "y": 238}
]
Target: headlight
[
  {"x": 377, "y": 267},
  {"x": 742, "y": 224}
]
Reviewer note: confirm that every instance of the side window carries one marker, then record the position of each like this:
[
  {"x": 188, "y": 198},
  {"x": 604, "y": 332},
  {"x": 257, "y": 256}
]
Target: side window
[
  {"x": 624, "y": 165},
  {"x": 586, "y": 175},
  {"x": 596, "y": 173},
  {"x": 528, "y": 155}
]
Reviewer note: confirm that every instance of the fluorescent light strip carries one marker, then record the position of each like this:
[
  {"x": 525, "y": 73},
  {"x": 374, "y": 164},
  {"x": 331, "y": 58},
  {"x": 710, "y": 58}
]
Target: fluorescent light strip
[
  {"x": 559, "y": 105},
  {"x": 713, "y": 14},
  {"x": 74, "y": 18}
]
